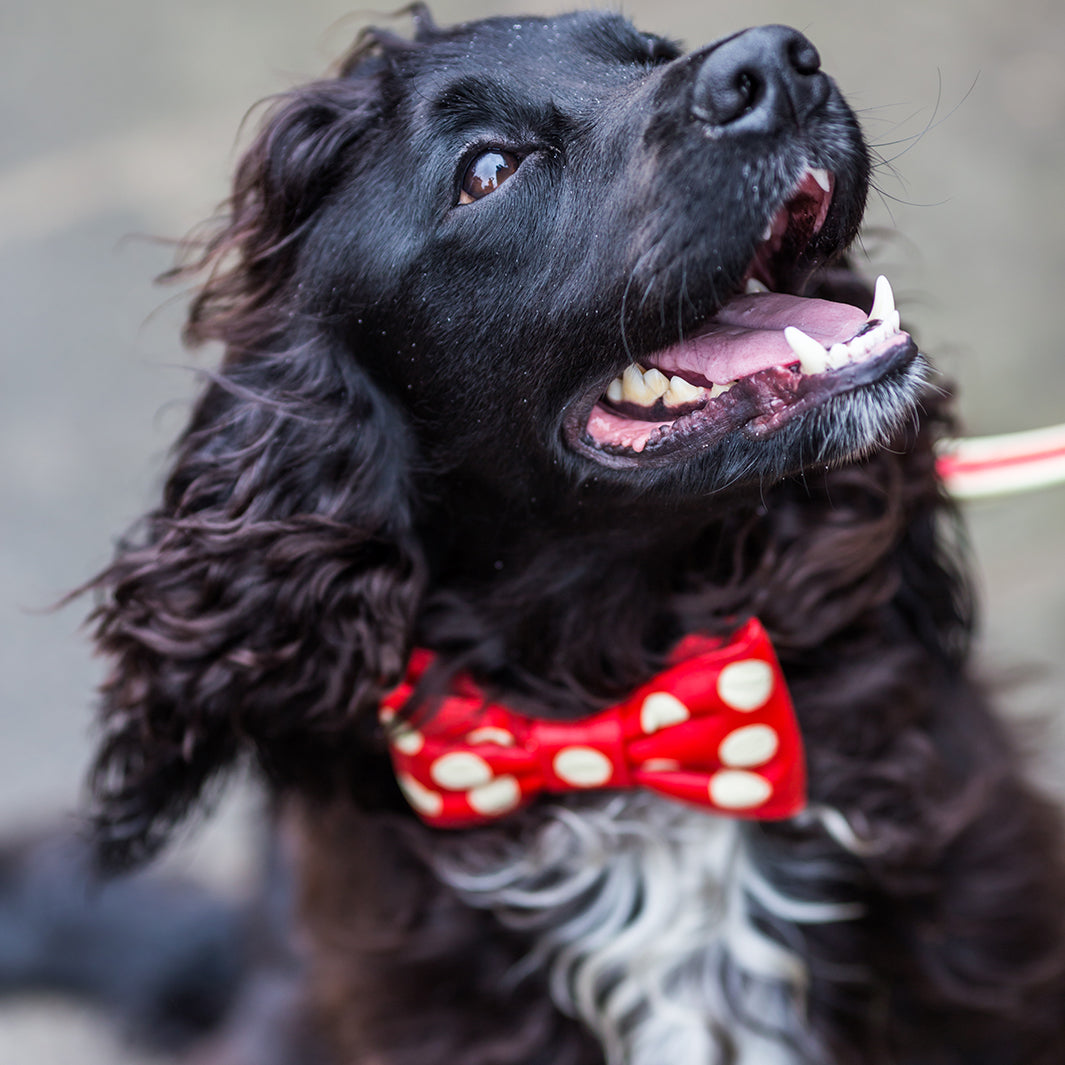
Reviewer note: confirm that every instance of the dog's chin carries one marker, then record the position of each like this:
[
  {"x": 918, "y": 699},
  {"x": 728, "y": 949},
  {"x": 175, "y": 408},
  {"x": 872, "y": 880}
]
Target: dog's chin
[{"x": 770, "y": 412}]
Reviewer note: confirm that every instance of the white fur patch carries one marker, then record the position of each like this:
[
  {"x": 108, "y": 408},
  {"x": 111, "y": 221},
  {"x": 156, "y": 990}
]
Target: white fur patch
[{"x": 639, "y": 911}]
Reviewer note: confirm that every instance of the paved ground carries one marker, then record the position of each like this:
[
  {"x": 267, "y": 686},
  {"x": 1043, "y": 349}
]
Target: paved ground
[{"x": 118, "y": 119}]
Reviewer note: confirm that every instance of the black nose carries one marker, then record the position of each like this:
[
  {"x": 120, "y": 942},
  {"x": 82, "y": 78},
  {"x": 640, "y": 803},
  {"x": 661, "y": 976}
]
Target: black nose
[{"x": 760, "y": 81}]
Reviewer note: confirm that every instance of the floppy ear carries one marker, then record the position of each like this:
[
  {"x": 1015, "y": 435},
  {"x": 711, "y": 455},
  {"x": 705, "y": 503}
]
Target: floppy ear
[{"x": 267, "y": 603}]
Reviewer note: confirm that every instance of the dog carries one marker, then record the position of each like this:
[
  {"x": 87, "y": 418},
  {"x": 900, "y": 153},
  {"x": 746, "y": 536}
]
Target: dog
[{"x": 543, "y": 359}]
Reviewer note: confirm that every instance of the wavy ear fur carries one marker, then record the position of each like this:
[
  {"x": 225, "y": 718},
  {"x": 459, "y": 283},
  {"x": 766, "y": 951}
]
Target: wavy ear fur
[{"x": 267, "y": 602}]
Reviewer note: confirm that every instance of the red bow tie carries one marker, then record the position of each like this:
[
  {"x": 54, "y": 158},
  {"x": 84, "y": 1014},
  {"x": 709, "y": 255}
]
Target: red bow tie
[{"x": 716, "y": 728}]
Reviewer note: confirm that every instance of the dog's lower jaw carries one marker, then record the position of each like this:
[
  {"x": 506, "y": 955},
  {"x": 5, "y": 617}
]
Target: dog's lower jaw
[
  {"x": 640, "y": 911},
  {"x": 837, "y": 427},
  {"x": 851, "y": 425}
]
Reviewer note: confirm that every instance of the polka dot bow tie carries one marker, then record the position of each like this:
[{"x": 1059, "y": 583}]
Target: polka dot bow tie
[{"x": 716, "y": 728}]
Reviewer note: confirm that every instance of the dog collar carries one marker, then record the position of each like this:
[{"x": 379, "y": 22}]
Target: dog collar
[{"x": 716, "y": 728}]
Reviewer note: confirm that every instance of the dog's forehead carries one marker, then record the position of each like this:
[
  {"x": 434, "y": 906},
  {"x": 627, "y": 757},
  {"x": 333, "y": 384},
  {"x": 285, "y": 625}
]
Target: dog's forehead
[{"x": 573, "y": 53}]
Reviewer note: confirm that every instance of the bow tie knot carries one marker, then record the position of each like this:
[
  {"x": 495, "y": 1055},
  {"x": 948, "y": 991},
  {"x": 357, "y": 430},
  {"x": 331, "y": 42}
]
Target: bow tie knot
[{"x": 716, "y": 728}]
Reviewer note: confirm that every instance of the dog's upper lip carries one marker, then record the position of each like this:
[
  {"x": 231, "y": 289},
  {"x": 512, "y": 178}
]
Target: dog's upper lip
[{"x": 800, "y": 218}]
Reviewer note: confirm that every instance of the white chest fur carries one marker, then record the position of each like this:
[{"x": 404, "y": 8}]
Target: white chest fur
[{"x": 640, "y": 912}]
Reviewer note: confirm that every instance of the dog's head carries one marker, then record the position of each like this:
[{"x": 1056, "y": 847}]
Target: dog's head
[{"x": 511, "y": 259}]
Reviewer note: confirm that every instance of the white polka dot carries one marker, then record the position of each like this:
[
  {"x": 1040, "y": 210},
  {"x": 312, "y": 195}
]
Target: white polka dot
[
  {"x": 736, "y": 789},
  {"x": 497, "y": 797},
  {"x": 499, "y": 736},
  {"x": 583, "y": 767},
  {"x": 460, "y": 770},
  {"x": 407, "y": 740},
  {"x": 420, "y": 797},
  {"x": 386, "y": 714},
  {"x": 749, "y": 746},
  {"x": 659, "y": 710},
  {"x": 746, "y": 685},
  {"x": 661, "y": 765}
]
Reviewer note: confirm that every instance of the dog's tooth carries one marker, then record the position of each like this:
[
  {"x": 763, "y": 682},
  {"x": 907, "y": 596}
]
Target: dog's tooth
[
  {"x": 838, "y": 355},
  {"x": 767, "y": 233},
  {"x": 656, "y": 382},
  {"x": 720, "y": 390},
  {"x": 894, "y": 322},
  {"x": 681, "y": 392},
  {"x": 883, "y": 301},
  {"x": 813, "y": 358},
  {"x": 615, "y": 391},
  {"x": 633, "y": 386},
  {"x": 820, "y": 175},
  {"x": 754, "y": 286},
  {"x": 632, "y": 382},
  {"x": 868, "y": 346}
]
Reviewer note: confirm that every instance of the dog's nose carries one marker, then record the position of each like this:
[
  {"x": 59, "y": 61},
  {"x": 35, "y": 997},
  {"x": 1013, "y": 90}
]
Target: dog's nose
[{"x": 760, "y": 81}]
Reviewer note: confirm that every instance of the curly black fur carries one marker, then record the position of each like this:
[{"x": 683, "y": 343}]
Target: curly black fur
[{"x": 383, "y": 461}]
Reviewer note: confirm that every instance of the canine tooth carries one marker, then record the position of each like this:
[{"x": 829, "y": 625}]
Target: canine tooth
[
  {"x": 681, "y": 391},
  {"x": 615, "y": 391},
  {"x": 838, "y": 355},
  {"x": 754, "y": 285},
  {"x": 883, "y": 300},
  {"x": 813, "y": 358},
  {"x": 820, "y": 175},
  {"x": 894, "y": 322},
  {"x": 656, "y": 381},
  {"x": 720, "y": 390}
]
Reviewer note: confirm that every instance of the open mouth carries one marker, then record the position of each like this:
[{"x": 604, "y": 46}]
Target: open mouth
[{"x": 765, "y": 357}]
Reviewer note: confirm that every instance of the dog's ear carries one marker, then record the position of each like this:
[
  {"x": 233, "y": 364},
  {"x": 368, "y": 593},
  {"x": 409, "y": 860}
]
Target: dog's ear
[{"x": 268, "y": 602}]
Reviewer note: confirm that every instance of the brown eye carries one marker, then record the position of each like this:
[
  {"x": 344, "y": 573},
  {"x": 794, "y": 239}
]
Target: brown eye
[{"x": 485, "y": 174}]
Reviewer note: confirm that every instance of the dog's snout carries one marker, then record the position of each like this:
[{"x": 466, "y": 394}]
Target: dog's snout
[{"x": 759, "y": 81}]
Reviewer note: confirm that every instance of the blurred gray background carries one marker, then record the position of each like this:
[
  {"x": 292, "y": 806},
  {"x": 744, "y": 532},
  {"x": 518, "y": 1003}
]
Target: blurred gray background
[{"x": 119, "y": 121}]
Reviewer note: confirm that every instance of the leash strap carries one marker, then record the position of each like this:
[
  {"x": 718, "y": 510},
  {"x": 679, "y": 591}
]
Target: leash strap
[{"x": 983, "y": 466}]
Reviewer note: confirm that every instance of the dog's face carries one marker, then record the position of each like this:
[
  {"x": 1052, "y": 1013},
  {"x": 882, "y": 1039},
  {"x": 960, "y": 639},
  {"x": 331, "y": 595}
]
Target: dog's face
[{"x": 545, "y": 209}]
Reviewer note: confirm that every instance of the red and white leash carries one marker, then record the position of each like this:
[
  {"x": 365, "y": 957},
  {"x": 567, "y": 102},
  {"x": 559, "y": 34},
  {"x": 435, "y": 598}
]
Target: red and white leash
[{"x": 981, "y": 466}]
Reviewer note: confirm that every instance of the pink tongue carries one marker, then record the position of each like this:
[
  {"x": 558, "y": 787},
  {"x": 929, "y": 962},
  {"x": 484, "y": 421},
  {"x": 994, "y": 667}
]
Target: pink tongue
[{"x": 747, "y": 335}]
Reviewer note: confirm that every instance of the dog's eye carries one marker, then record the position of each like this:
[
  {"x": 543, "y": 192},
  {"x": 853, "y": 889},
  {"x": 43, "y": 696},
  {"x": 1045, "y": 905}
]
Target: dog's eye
[{"x": 486, "y": 173}]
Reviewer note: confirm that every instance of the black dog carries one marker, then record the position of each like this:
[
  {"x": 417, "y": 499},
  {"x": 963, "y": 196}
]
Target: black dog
[{"x": 542, "y": 353}]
